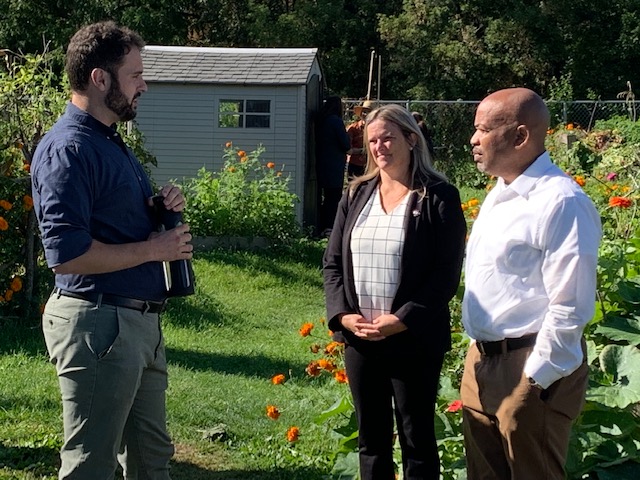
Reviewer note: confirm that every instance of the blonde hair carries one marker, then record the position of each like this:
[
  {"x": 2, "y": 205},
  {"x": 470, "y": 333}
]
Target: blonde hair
[{"x": 421, "y": 167}]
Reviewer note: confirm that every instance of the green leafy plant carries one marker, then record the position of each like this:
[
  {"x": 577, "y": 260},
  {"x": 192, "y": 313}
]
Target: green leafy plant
[
  {"x": 30, "y": 100},
  {"x": 246, "y": 198}
]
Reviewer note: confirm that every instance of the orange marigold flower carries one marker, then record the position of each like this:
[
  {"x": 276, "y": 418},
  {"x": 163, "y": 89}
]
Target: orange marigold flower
[
  {"x": 330, "y": 333},
  {"x": 463, "y": 206},
  {"x": 292, "y": 434},
  {"x": 273, "y": 412},
  {"x": 332, "y": 348},
  {"x": 27, "y": 167},
  {"x": 550, "y": 131},
  {"x": 231, "y": 169},
  {"x": 473, "y": 202},
  {"x": 580, "y": 180},
  {"x": 341, "y": 376},
  {"x": 570, "y": 126},
  {"x": 278, "y": 379},
  {"x": 271, "y": 165},
  {"x": 305, "y": 329},
  {"x": 8, "y": 295},
  {"x": 475, "y": 212},
  {"x": 242, "y": 153},
  {"x": 454, "y": 406},
  {"x": 6, "y": 205},
  {"x": 27, "y": 201},
  {"x": 313, "y": 369},
  {"x": 228, "y": 144},
  {"x": 3, "y": 224},
  {"x": 327, "y": 365},
  {"x": 16, "y": 284},
  {"x": 619, "y": 202}
]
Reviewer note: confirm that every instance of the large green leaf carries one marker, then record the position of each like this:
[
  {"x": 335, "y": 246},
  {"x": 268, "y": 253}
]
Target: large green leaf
[
  {"x": 342, "y": 405},
  {"x": 627, "y": 471},
  {"x": 346, "y": 467},
  {"x": 629, "y": 291},
  {"x": 623, "y": 362},
  {"x": 621, "y": 329}
]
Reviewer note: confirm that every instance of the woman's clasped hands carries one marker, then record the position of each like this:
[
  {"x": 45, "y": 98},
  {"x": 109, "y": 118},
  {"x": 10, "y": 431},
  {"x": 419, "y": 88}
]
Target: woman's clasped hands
[{"x": 381, "y": 327}]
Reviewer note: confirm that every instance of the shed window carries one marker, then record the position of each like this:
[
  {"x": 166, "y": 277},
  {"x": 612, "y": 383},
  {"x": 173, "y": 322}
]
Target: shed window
[{"x": 244, "y": 114}]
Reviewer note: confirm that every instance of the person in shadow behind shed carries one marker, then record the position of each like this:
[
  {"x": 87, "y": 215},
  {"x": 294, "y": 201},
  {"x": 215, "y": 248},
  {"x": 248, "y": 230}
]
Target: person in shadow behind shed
[{"x": 332, "y": 143}]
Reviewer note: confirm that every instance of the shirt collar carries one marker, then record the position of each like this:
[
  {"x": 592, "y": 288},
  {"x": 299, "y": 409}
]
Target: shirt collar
[
  {"x": 82, "y": 117},
  {"x": 524, "y": 183}
]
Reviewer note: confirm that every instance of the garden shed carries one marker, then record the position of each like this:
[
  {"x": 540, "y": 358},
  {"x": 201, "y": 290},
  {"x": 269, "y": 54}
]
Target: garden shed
[{"x": 201, "y": 98}]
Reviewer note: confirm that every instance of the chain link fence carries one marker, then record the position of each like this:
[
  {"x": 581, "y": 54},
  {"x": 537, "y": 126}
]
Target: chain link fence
[
  {"x": 438, "y": 113},
  {"x": 451, "y": 124}
]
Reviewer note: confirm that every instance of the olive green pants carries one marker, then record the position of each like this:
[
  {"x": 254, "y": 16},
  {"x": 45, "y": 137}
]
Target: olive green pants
[{"x": 112, "y": 372}]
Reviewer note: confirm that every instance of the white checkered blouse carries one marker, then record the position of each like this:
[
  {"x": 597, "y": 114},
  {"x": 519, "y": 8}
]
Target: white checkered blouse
[{"x": 376, "y": 248}]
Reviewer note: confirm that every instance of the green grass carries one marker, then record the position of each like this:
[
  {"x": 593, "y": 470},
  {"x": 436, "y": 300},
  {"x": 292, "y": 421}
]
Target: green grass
[{"x": 223, "y": 346}]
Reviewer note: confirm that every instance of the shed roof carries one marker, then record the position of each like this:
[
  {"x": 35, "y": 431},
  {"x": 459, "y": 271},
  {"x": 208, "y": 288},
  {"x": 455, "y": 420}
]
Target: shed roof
[{"x": 244, "y": 66}]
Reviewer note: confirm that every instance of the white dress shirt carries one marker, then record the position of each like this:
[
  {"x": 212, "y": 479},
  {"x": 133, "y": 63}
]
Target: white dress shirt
[{"x": 531, "y": 267}]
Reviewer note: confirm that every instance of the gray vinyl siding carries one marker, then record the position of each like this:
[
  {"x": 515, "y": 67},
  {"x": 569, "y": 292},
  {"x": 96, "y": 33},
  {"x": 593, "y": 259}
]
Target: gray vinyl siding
[
  {"x": 180, "y": 124},
  {"x": 178, "y": 114}
]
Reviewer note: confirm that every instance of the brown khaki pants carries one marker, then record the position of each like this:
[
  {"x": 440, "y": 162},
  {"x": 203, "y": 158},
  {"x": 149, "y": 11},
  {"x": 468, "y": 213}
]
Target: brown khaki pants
[{"x": 513, "y": 430}]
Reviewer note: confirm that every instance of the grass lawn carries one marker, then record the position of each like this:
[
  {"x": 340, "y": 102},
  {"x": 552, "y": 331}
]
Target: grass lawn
[{"x": 223, "y": 345}]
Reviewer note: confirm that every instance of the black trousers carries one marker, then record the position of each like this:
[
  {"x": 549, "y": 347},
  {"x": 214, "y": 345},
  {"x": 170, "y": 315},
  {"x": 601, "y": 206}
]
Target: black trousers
[
  {"x": 330, "y": 199},
  {"x": 387, "y": 380}
]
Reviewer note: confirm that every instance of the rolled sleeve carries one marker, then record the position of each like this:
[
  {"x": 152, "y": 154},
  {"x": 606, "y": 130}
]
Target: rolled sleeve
[{"x": 62, "y": 191}]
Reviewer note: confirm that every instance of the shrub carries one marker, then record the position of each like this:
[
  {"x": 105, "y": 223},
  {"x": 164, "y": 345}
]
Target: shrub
[
  {"x": 246, "y": 198},
  {"x": 32, "y": 97}
]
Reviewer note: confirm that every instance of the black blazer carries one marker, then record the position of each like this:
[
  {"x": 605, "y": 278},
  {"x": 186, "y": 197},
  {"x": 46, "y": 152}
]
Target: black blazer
[{"x": 430, "y": 267}]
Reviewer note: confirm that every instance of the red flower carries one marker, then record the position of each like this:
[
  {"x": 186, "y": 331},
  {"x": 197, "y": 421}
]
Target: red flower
[
  {"x": 454, "y": 406},
  {"x": 305, "y": 329},
  {"x": 313, "y": 369},
  {"x": 327, "y": 365},
  {"x": 292, "y": 434},
  {"x": 273, "y": 412},
  {"x": 333, "y": 348},
  {"x": 341, "y": 376},
  {"x": 27, "y": 202},
  {"x": 622, "y": 202}
]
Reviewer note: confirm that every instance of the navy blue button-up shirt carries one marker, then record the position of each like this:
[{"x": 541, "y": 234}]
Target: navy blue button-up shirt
[{"x": 88, "y": 185}]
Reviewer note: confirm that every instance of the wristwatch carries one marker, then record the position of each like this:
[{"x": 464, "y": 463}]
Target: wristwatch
[{"x": 535, "y": 384}]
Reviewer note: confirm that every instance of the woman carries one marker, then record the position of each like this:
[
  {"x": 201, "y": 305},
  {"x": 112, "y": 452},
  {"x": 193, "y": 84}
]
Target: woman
[{"x": 391, "y": 266}]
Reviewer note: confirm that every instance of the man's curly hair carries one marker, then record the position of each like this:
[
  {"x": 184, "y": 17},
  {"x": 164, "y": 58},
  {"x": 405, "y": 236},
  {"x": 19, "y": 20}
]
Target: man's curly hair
[{"x": 100, "y": 45}]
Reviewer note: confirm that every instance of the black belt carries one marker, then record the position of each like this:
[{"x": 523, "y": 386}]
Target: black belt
[
  {"x": 143, "y": 306},
  {"x": 506, "y": 345}
]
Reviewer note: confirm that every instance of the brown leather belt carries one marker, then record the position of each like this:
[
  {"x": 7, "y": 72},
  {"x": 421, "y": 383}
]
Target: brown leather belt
[
  {"x": 143, "y": 306},
  {"x": 506, "y": 345}
]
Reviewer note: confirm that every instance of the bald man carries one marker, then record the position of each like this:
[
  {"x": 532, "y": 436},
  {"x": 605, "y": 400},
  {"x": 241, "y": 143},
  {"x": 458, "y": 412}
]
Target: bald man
[{"x": 530, "y": 278}]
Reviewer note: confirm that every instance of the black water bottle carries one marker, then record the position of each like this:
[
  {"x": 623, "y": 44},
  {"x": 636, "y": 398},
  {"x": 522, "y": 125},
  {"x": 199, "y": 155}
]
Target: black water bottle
[{"x": 178, "y": 274}]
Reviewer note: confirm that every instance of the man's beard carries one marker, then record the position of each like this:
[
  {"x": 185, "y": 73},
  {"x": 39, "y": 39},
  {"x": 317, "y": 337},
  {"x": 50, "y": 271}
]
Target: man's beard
[{"x": 118, "y": 103}]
